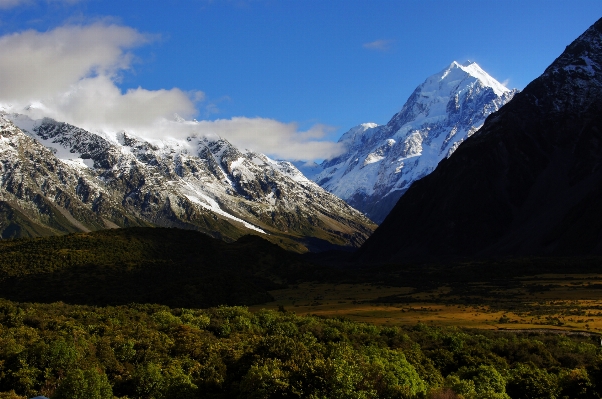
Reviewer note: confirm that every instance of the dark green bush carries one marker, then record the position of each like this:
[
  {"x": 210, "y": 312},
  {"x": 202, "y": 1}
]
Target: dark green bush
[{"x": 152, "y": 351}]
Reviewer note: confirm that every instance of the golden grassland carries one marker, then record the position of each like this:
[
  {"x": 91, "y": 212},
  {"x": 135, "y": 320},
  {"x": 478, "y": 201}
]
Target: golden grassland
[{"x": 547, "y": 301}]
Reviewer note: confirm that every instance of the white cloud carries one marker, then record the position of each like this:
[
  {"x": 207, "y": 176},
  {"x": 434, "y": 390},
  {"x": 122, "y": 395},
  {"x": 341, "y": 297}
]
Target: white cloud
[
  {"x": 97, "y": 103},
  {"x": 379, "y": 45},
  {"x": 70, "y": 74},
  {"x": 36, "y": 65}
]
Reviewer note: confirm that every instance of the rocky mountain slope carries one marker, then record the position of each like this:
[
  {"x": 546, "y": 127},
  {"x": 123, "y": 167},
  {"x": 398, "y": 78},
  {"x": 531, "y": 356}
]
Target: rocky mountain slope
[
  {"x": 528, "y": 183},
  {"x": 381, "y": 162},
  {"x": 58, "y": 178}
]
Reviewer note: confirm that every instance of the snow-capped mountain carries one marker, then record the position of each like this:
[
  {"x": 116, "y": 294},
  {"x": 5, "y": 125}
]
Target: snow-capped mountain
[
  {"x": 382, "y": 161},
  {"x": 528, "y": 183},
  {"x": 60, "y": 178}
]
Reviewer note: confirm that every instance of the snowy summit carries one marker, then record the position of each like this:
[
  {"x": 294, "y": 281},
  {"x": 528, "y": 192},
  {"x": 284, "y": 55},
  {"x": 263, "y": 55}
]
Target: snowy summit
[{"x": 381, "y": 162}]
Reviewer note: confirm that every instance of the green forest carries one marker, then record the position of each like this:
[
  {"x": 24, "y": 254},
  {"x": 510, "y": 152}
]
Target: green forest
[{"x": 153, "y": 351}]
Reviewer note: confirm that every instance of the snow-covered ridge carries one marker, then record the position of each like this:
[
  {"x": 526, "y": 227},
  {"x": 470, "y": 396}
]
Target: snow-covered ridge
[
  {"x": 381, "y": 162},
  {"x": 198, "y": 182}
]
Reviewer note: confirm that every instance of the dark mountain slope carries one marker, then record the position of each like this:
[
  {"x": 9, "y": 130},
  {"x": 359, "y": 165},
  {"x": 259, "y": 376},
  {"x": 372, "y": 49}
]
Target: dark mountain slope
[
  {"x": 528, "y": 183},
  {"x": 146, "y": 265}
]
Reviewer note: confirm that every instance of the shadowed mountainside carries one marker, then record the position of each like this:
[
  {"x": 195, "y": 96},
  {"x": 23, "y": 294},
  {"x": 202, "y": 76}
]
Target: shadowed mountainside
[{"x": 153, "y": 265}]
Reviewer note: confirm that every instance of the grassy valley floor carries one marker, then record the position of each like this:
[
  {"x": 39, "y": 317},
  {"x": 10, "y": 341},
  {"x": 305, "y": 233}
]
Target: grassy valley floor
[{"x": 562, "y": 302}]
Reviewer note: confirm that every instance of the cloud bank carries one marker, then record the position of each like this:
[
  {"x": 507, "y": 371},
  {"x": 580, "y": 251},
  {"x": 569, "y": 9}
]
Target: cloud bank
[
  {"x": 266, "y": 135},
  {"x": 71, "y": 74}
]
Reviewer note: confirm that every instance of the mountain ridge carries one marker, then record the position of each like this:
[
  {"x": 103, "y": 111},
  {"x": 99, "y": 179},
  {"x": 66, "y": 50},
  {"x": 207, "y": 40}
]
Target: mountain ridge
[{"x": 199, "y": 183}]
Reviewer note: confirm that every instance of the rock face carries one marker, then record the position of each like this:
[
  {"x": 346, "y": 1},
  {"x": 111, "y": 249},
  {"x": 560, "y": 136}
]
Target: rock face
[
  {"x": 381, "y": 162},
  {"x": 58, "y": 178},
  {"x": 528, "y": 183}
]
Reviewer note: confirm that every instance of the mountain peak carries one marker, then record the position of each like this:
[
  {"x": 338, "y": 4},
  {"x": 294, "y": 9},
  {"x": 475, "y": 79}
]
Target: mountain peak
[
  {"x": 356, "y": 131},
  {"x": 456, "y": 64},
  {"x": 457, "y": 71},
  {"x": 381, "y": 162}
]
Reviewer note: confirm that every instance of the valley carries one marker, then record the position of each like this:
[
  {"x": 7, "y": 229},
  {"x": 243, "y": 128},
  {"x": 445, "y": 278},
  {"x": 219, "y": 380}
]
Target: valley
[
  {"x": 563, "y": 303},
  {"x": 152, "y": 308},
  {"x": 186, "y": 268}
]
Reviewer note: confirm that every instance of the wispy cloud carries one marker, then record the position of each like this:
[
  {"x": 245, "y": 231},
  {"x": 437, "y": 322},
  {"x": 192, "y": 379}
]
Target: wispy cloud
[
  {"x": 379, "y": 45},
  {"x": 71, "y": 74},
  {"x": 212, "y": 107},
  {"x": 6, "y": 4}
]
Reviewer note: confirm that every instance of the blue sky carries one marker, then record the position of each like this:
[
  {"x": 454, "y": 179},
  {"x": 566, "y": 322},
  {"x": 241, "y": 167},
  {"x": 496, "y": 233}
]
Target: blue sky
[{"x": 302, "y": 71}]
